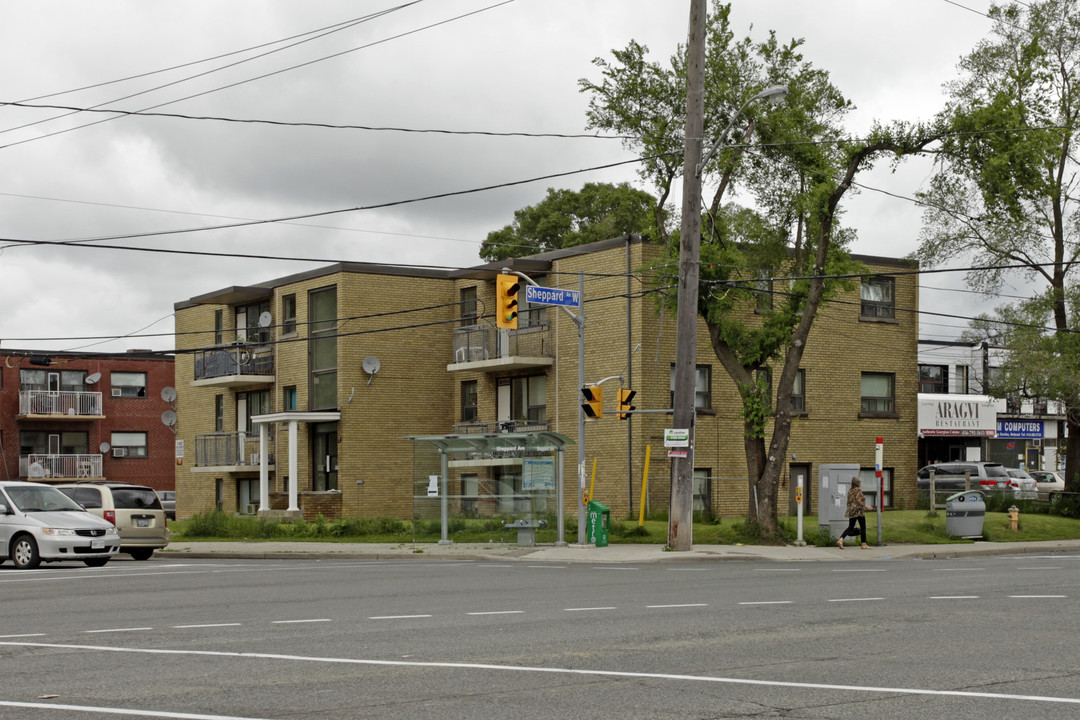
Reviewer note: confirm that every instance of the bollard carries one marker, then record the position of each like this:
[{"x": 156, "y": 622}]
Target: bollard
[{"x": 1014, "y": 518}]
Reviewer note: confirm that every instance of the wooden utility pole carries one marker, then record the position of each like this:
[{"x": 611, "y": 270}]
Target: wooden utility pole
[{"x": 681, "y": 512}]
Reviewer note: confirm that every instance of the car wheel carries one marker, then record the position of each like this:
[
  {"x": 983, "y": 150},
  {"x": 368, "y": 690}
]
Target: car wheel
[
  {"x": 24, "y": 553},
  {"x": 141, "y": 553},
  {"x": 96, "y": 562}
]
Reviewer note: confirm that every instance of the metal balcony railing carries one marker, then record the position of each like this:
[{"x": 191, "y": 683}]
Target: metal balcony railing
[
  {"x": 43, "y": 466},
  {"x": 59, "y": 402},
  {"x": 475, "y": 343},
  {"x": 235, "y": 360},
  {"x": 229, "y": 450},
  {"x": 507, "y": 426}
]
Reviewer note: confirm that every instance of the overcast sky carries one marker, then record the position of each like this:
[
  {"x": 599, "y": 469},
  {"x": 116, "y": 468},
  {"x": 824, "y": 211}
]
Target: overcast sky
[{"x": 507, "y": 67}]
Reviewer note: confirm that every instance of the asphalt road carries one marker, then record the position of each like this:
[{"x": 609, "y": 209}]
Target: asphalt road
[{"x": 959, "y": 639}]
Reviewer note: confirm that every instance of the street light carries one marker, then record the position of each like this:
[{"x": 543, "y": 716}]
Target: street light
[{"x": 680, "y": 519}]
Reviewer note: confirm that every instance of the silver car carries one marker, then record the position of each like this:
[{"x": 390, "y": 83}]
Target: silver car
[
  {"x": 38, "y": 523},
  {"x": 1023, "y": 485}
]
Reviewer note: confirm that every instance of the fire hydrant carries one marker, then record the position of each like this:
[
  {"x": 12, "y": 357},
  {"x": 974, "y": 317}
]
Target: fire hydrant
[{"x": 1014, "y": 518}]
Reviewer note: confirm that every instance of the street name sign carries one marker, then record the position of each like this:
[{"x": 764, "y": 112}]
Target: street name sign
[{"x": 552, "y": 296}]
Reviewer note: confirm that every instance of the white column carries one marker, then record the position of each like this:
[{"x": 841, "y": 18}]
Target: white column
[
  {"x": 264, "y": 469},
  {"x": 294, "y": 480}
]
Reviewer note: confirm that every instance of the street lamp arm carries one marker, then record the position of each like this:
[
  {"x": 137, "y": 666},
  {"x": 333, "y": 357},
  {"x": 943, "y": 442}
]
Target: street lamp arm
[{"x": 775, "y": 94}]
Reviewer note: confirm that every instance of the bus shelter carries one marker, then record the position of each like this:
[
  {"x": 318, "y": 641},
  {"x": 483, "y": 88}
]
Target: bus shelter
[{"x": 516, "y": 477}]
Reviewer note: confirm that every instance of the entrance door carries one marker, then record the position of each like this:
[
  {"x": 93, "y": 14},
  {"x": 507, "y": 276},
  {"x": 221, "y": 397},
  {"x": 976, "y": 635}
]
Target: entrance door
[
  {"x": 795, "y": 471},
  {"x": 324, "y": 456}
]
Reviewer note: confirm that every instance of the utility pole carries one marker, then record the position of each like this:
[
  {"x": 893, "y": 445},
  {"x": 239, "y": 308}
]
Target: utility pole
[{"x": 681, "y": 506}]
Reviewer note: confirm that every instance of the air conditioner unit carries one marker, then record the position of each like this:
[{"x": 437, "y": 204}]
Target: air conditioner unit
[
  {"x": 119, "y": 452},
  {"x": 116, "y": 392},
  {"x": 254, "y": 459},
  {"x": 252, "y": 509},
  {"x": 1036, "y": 442}
]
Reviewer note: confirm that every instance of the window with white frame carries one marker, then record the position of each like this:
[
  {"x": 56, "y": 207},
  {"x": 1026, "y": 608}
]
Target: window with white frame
[
  {"x": 798, "y": 393},
  {"x": 128, "y": 384},
  {"x": 702, "y": 387},
  {"x": 128, "y": 444}
]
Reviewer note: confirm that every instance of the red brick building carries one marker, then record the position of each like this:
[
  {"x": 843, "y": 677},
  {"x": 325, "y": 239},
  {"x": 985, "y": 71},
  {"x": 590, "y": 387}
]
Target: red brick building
[{"x": 68, "y": 415}]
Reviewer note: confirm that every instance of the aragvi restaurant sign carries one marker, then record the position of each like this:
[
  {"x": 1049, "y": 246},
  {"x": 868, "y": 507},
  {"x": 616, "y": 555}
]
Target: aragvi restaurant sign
[{"x": 970, "y": 415}]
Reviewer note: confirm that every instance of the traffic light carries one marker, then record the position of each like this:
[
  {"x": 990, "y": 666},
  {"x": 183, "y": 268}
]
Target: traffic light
[
  {"x": 625, "y": 396},
  {"x": 594, "y": 401},
  {"x": 506, "y": 304}
]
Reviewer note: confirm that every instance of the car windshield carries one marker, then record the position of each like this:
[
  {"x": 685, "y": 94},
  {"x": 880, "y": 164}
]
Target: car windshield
[
  {"x": 996, "y": 471},
  {"x": 41, "y": 499},
  {"x": 135, "y": 498}
]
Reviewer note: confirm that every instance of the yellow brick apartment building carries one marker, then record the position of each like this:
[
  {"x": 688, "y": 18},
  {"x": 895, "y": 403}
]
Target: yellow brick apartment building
[{"x": 339, "y": 365}]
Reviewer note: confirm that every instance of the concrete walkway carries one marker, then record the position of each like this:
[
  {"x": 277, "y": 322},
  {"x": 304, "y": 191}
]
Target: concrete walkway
[{"x": 612, "y": 554}]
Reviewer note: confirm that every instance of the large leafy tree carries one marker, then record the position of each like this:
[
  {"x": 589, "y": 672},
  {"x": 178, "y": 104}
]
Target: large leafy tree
[
  {"x": 795, "y": 185},
  {"x": 1005, "y": 191},
  {"x": 566, "y": 218}
]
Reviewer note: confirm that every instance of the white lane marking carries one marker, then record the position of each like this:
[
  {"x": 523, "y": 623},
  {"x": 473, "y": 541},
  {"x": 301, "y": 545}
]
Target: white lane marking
[
  {"x": 767, "y": 602},
  {"x": 111, "y": 630},
  {"x": 486, "y": 565},
  {"x": 858, "y": 570},
  {"x": 24, "y": 635},
  {"x": 777, "y": 569},
  {"x": 1039, "y": 568},
  {"x": 956, "y": 569},
  {"x": 124, "y": 711},
  {"x": 488, "y": 667},
  {"x": 679, "y": 605},
  {"x": 396, "y": 617},
  {"x": 293, "y": 622},
  {"x": 548, "y": 567},
  {"x": 1038, "y": 597},
  {"x": 687, "y": 569},
  {"x": 206, "y": 625},
  {"x": 865, "y": 599},
  {"x": 954, "y": 597},
  {"x": 587, "y": 609},
  {"x": 498, "y": 612},
  {"x": 616, "y": 568}
]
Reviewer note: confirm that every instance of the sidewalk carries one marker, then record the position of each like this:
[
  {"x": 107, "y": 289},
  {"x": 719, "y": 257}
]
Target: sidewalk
[{"x": 612, "y": 554}]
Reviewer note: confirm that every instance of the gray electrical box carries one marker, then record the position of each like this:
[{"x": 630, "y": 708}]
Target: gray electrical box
[{"x": 834, "y": 481}]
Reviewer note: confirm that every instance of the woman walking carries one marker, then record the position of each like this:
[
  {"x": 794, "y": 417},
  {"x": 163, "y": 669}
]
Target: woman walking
[{"x": 856, "y": 504}]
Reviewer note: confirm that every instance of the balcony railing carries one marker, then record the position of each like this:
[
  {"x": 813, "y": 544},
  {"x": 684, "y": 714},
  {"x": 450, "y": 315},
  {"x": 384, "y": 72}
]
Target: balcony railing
[
  {"x": 507, "y": 426},
  {"x": 236, "y": 360},
  {"x": 234, "y": 449},
  {"x": 60, "y": 402},
  {"x": 476, "y": 343},
  {"x": 37, "y": 466}
]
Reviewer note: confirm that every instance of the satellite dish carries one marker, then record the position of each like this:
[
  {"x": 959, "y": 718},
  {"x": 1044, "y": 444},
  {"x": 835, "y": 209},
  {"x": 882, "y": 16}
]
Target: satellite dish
[
  {"x": 93, "y": 378},
  {"x": 371, "y": 366},
  {"x": 36, "y": 470},
  {"x": 168, "y": 418},
  {"x": 168, "y": 394},
  {"x": 265, "y": 318},
  {"x": 104, "y": 447}
]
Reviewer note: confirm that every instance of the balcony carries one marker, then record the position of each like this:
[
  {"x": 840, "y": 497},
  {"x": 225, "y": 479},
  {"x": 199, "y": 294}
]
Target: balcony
[
  {"x": 229, "y": 452},
  {"x": 234, "y": 366},
  {"x": 61, "y": 467},
  {"x": 60, "y": 405},
  {"x": 484, "y": 347}
]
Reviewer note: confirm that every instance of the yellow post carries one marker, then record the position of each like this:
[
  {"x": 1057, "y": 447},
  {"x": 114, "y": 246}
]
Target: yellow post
[
  {"x": 592, "y": 483},
  {"x": 644, "y": 486}
]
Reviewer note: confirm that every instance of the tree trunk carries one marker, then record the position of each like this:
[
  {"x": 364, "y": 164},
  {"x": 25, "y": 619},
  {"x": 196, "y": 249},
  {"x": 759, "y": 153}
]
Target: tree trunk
[{"x": 1072, "y": 449}]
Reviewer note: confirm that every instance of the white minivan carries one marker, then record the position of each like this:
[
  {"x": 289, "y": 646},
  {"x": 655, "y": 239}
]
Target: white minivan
[{"x": 38, "y": 523}]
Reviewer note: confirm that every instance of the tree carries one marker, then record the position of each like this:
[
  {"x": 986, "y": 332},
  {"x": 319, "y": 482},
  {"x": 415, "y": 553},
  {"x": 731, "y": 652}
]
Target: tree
[
  {"x": 566, "y": 218},
  {"x": 1005, "y": 189},
  {"x": 796, "y": 186}
]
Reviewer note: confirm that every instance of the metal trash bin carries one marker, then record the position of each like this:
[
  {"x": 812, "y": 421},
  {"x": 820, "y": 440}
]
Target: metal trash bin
[
  {"x": 964, "y": 514},
  {"x": 597, "y": 524}
]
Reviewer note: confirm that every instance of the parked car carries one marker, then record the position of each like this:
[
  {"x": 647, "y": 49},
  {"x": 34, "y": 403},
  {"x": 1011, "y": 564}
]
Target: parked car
[
  {"x": 950, "y": 476},
  {"x": 1049, "y": 483},
  {"x": 1023, "y": 485},
  {"x": 38, "y": 523},
  {"x": 135, "y": 510},
  {"x": 168, "y": 502}
]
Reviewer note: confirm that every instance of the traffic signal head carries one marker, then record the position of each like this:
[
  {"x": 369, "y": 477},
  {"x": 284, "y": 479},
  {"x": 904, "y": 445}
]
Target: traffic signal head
[
  {"x": 506, "y": 304},
  {"x": 625, "y": 396},
  {"x": 594, "y": 401}
]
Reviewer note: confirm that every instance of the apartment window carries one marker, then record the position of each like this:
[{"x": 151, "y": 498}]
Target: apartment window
[
  {"x": 702, "y": 490},
  {"x": 288, "y": 398},
  {"x": 763, "y": 292},
  {"x": 528, "y": 398},
  {"x": 798, "y": 393},
  {"x": 531, "y": 315},
  {"x": 219, "y": 493},
  {"x": 128, "y": 384},
  {"x": 258, "y": 403},
  {"x": 219, "y": 327},
  {"x": 43, "y": 442},
  {"x": 288, "y": 315},
  {"x": 322, "y": 348},
  {"x": 933, "y": 378},
  {"x": 702, "y": 387},
  {"x": 878, "y": 297},
  {"x": 219, "y": 413},
  {"x": 962, "y": 380},
  {"x": 128, "y": 444},
  {"x": 248, "y": 328},
  {"x": 469, "y": 409},
  {"x": 33, "y": 380},
  {"x": 468, "y": 306},
  {"x": 878, "y": 394}
]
